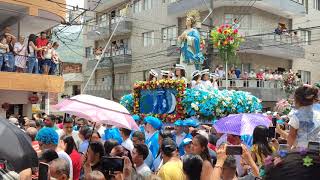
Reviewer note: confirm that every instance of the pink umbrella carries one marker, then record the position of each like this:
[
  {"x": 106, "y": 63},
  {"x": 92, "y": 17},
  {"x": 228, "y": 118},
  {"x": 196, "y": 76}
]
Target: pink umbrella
[{"x": 99, "y": 110}]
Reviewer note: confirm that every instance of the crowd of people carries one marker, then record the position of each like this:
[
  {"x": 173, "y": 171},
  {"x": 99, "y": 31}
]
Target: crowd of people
[
  {"x": 28, "y": 55},
  {"x": 76, "y": 148}
]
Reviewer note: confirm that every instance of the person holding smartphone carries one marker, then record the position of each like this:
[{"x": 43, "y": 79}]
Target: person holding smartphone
[{"x": 226, "y": 168}]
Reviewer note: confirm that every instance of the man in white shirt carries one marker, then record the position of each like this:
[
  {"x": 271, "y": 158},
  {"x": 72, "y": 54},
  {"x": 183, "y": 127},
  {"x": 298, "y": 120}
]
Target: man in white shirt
[
  {"x": 68, "y": 130},
  {"x": 139, "y": 154},
  {"x": 126, "y": 143}
]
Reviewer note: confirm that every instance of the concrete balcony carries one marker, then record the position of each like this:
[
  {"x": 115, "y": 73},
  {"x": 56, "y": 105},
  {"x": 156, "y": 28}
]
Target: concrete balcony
[
  {"x": 285, "y": 8},
  {"x": 270, "y": 91},
  {"x": 106, "y": 4},
  {"x": 121, "y": 58},
  {"x": 31, "y": 82},
  {"x": 282, "y": 46},
  {"x": 102, "y": 29}
]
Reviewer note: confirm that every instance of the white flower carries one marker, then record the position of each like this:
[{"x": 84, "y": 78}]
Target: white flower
[
  {"x": 205, "y": 97},
  {"x": 197, "y": 93},
  {"x": 194, "y": 106}
]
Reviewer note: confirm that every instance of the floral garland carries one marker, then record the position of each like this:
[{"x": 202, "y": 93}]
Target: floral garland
[
  {"x": 227, "y": 40},
  {"x": 290, "y": 83},
  {"x": 284, "y": 106},
  {"x": 214, "y": 104},
  {"x": 179, "y": 85},
  {"x": 127, "y": 102}
]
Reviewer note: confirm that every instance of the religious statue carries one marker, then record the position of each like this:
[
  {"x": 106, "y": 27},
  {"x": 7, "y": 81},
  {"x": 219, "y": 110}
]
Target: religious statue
[{"x": 189, "y": 42}]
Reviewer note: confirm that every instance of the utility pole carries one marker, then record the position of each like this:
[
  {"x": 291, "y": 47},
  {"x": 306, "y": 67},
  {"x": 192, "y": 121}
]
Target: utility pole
[{"x": 111, "y": 62}]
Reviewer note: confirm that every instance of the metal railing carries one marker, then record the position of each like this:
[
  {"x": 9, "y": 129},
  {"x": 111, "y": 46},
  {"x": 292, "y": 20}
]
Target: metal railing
[{"x": 250, "y": 83}]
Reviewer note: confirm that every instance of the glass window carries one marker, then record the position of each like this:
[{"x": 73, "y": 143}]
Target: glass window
[
  {"x": 305, "y": 76},
  {"x": 316, "y": 4},
  {"x": 306, "y": 37},
  {"x": 137, "y": 6},
  {"x": 148, "y": 38},
  {"x": 169, "y": 34},
  {"x": 148, "y": 4},
  {"x": 88, "y": 52}
]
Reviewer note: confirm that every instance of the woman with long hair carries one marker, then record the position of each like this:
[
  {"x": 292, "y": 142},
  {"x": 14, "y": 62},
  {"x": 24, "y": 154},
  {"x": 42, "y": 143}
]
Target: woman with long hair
[
  {"x": 261, "y": 147},
  {"x": 305, "y": 120},
  {"x": 69, "y": 146},
  {"x": 199, "y": 146}
]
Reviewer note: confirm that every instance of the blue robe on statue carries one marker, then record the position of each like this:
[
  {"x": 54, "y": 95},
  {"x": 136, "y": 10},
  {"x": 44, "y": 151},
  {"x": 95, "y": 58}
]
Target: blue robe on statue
[
  {"x": 153, "y": 144},
  {"x": 191, "y": 55}
]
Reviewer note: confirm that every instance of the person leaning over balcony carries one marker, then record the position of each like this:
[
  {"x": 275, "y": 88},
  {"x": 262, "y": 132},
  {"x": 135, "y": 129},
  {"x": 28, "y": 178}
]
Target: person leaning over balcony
[
  {"x": 55, "y": 59},
  {"x": 4, "y": 48},
  {"x": 48, "y": 54},
  {"x": 20, "y": 54},
  {"x": 9, "y": 61},
  {"x": 32, "y": 56},
  {"x": 41, "y": 42}
]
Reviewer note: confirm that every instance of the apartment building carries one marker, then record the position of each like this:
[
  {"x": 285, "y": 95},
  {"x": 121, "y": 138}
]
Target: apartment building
[{"x": 151, "y": 27}]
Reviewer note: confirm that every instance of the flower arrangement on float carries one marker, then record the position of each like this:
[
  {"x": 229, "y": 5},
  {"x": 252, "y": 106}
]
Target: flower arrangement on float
[
  {"x": 284, "y": 106},
  {"x": 178, "y": 85},
  {"x": 127, "y": 102},
  {"x": 215, "y": 104},
  {"x": 207, "y": 104},
  {"x": 227, "y": 40},
  {"x": 290, "y": 82}
]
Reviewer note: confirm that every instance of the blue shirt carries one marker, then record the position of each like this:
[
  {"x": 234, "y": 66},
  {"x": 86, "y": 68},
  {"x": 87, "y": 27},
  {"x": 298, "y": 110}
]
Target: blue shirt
[
  {"x": 83, "y": 147},
  {"x": 153, "y": 144},
  {"x": 181, "y": 145},
  {"x": 149, "y": 159}
]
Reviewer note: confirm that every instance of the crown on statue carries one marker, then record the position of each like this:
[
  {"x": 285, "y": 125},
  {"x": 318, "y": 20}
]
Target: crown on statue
[{"x": 195, "y": 14}]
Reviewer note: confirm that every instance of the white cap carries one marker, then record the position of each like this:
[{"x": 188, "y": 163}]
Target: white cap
[
  {"x": 205, "y": 71},
  {"x": 203, "y": 133},
  {"x": 180, "y": 66},
  {"x": 165, "y": 73},
  {"x": 153, "y": 73},
  {"x": 269, "y": 112},
  {"x": 214, "y": 76},
  {"x": 196, "y": 73},
  {"x": 275, "y": 113}
]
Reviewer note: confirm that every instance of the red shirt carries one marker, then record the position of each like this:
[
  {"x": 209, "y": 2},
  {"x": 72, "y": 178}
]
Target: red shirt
[
  {"x": 40, "y": 43},
  {"x": 76, "y": 164},
  {"x": 212, "y": 147}
]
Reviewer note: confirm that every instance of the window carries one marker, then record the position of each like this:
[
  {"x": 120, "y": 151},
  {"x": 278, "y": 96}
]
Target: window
[
  {"x": 305, "y": 76},
  {"x": 76, "y": 90},
  {"x": 169, "y": 34},
  {"x": 306, "y": 36},
  {"x": 316, "y": 4},
  {"x": 137, "y": 6},
  {"x": 148, "y": 39},
  {"x": 88, "y": 52},
  {"x": 148, "y": 4}
]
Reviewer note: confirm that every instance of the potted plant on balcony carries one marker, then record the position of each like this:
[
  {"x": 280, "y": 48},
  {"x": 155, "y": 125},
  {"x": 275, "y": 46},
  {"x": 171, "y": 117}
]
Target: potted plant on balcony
[{"x": 227, "y": 40}]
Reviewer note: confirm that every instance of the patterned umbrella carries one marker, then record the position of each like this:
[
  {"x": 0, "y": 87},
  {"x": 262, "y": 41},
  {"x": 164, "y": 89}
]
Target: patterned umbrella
[{"x": 241, "y": 124}]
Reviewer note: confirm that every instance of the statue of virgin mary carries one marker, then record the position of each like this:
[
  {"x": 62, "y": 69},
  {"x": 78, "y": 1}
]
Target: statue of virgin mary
[{"x": 189, "y": 42}]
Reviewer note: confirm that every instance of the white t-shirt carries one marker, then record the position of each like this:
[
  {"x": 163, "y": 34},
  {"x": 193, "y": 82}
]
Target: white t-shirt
[
  {"x": 128, "y": 144},
  {"x": 143, "y": 170},
  {"x": 75, "y": 136},
  {"x": 66, "y": 157}
]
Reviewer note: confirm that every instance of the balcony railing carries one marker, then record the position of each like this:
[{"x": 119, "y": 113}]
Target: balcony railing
[
  {"x": 101, "y": 30},
  {"x": 268, "y": 91},
  {"x": 261, "y": 84},
  {"x": 120, "y": 57},
  {"x": 279, "y": 7}
]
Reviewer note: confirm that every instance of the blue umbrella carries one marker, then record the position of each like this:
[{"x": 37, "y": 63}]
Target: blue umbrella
[{"x": 241, "y": 124}]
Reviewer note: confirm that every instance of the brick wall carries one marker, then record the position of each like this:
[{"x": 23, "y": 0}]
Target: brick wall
[{"x": 71, "y": 67}]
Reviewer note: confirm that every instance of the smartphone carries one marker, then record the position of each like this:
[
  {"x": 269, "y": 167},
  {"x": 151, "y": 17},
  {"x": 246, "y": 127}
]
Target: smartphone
[
  {"x": 43, "y": 171},
  {"x": 234, "y": 150},
  {"x": 314, "y": 146},
  {"x": 272, "y": 132},
  {"x": 112, "y": 164}
]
